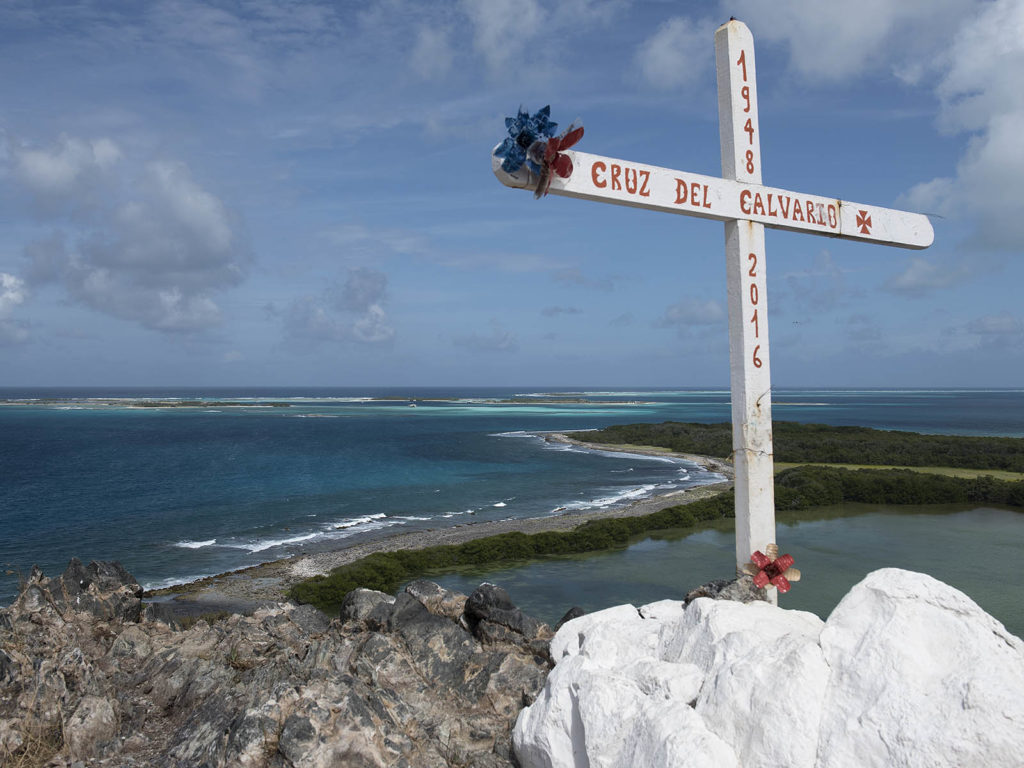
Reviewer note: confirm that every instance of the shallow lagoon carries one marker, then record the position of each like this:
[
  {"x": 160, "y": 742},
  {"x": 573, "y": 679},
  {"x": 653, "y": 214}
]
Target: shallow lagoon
[{"x": 977, "y": 550}]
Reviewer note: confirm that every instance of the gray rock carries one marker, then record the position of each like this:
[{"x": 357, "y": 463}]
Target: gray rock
[
  {"x": 437, "y": 599},
  {"x": 10, "y": 670},
  {"x": 10, "y": 737},
  {"x": 161, "y": 612},
  {"x": 90, "y": 729},
  {"x": 310, "y": 620},
  {"x": 367, "y": 605},
  {"x": 103, "y": 589},
  {"x": 491, "y": 603},
  {"x": 399, "y": 682},
  {"x": 741, "y": 590},
  {"x": 298, "y": 739}
]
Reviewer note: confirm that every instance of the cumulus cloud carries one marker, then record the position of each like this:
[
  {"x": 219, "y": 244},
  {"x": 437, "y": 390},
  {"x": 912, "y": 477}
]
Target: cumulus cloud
[
  {"x": 351, "y": 312},
  {"x": 497, "y": 339},
  {"x": 981, "y": 95},
  {"x": 677, "y": 54},
  {"x": 145, "y": 243},
  {"x": 977, "y": 70},
  {"x": 66, "y": 177},
  {"x": 13, "y": 293},
  {"x": 692, "y": 313},
  {"x": 830, "y": 42}
]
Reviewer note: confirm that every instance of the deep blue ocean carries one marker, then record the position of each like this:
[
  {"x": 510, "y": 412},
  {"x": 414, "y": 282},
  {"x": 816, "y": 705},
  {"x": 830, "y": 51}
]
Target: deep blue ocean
[{"x": 180, "y": 493}]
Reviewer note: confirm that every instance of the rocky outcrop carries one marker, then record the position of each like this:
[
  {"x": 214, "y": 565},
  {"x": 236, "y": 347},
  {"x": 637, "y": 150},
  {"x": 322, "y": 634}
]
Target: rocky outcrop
[
  {"x": 91, "y": 675},
  {"x": 906, "y": 671}
]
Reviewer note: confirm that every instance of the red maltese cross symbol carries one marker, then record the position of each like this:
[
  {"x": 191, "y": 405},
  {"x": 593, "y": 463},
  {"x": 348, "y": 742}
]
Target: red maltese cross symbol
[
  {"x": 771, "y": 568},
  {"x": 864, "y": 222}
]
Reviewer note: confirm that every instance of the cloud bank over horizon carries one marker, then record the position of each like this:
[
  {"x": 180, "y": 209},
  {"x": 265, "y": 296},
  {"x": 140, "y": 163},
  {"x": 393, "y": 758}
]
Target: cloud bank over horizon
[{"x": 260, "y": 194}]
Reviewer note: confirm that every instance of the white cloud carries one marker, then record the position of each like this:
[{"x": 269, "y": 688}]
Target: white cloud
[
  {"x": 974, "y": 48},
  {"x": 677, "y": 55},
  {"x": 981, "y": 94},
  {"x": 353, "y": 311},
  {"x": 58, "y": 170},
  {"x": 143, "y": 243},
  {"x": 13, "y": 293},
  {"x": 833, "y": 41},
  {"x": 503, "y": 29}
]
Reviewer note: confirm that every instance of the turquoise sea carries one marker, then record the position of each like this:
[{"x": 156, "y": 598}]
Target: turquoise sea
[{"x": 179, "y": 493}]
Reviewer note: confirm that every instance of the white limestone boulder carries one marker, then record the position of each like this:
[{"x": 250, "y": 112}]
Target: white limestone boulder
[
  {"x": 920, "y": 676},
  {"x": 906, "y": 671}
]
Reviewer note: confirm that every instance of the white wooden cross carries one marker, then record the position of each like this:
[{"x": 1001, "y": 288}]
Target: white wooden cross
[{"x": 747, "y": 207}]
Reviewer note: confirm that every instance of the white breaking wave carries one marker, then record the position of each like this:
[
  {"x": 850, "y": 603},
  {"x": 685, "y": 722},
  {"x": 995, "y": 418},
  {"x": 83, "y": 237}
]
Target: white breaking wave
[
  {"x": 357, "y": 521},
  {"x": 195, "y": 544},
  {"x": 174, "y": 581},
  {"x": 500, "y": 504},
  {"x": 456, "y": 514},
  {"x": 602, "y": 502},
  {"x": 259, "y": 546}
]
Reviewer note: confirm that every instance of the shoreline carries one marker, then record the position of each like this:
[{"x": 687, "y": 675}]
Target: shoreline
[{"x": 252, "y": 587}]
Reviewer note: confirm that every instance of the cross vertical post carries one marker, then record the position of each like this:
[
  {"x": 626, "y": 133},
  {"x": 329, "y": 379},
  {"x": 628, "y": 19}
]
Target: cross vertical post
[{"x": 746, "y": 286}]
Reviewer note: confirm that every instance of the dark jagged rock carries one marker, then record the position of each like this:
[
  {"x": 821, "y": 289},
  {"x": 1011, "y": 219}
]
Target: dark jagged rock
[
  {"x": 105, "y": 590},
  {"x": 573, "y": 613},
  {"x": 397, "y": 681},
  {"x": 741, "y": 590},
  {"x": 492, "y": 604}
]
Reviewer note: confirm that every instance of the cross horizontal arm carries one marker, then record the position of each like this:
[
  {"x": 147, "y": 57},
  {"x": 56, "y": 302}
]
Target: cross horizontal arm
[{"x": 620, "y": 182}]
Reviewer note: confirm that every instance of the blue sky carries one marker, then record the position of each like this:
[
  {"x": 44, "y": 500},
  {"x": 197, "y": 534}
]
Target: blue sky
[{"x": 299, "y": 193}]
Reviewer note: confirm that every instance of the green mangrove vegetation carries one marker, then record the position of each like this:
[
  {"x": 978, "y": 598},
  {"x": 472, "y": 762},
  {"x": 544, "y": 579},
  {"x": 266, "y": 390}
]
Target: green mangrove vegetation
[
  {"x": 824, "y": 444},
  {"x": 796, "y": 489}
]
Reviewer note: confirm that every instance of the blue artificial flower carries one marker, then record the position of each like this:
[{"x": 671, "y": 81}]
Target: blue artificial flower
[{"x": 524, "y": 131}]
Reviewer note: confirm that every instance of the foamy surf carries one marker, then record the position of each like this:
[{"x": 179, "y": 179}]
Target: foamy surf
[
  {"x": 357, "y": 521},
  {"x": 260, "y": 546},
  {"x": 195, "y": 544}
]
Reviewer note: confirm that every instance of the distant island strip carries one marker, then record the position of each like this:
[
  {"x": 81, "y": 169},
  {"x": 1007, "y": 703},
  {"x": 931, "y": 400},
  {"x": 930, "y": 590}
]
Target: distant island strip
[
  {"x": 114, "y": 402},
  {"x": 323, "y": 579}
]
